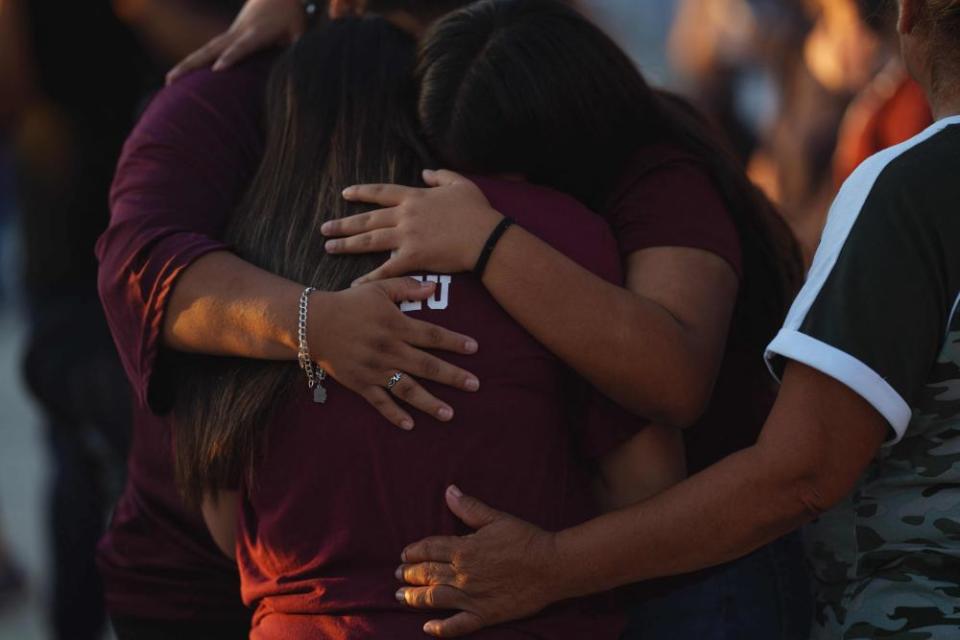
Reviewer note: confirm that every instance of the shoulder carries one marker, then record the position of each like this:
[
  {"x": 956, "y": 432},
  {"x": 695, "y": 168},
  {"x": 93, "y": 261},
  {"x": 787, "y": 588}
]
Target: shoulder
[
  {"x": 206, "y": 97},
  {"x": 916, "y": 178},
  {"x": 650, "y": 164},
  {"x": 559, "y": 220},
  {"x": 667, "y": 197}
]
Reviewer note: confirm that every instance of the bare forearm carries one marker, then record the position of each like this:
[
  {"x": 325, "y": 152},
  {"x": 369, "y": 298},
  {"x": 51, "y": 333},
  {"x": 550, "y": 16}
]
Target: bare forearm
[
  {"x": 817, "y": 442},
  {"x": 222, "y": 305},
  {"x": 716, "y": 516},
  {"x": 630, "y": 348}
]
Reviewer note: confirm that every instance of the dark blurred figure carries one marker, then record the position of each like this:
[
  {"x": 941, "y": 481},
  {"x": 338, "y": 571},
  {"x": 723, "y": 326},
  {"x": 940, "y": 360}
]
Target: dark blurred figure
[
  {"x": 87, "y": 72},
  {"x": 90, "y": 65},
  {"x": 890, "y": 109}
]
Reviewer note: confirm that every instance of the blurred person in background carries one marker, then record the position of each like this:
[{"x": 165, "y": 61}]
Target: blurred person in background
[
  {"x": 828, "y": 57},
  {"x": 729, "y": 54},
  {"x": 79, "y": 74},
  {"x": 892, "y": 106},
  {"x": 14, "y": 80}
]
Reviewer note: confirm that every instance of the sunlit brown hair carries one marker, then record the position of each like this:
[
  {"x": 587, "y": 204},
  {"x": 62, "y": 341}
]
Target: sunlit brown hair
[{"x": 340, "y": 111}]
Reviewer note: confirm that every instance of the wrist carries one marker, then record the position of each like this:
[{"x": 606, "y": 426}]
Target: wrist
[
  {"x": 318, "y": 306},
  {"x": 566, "y": 578},
  {"x": 488, "y": 219}
]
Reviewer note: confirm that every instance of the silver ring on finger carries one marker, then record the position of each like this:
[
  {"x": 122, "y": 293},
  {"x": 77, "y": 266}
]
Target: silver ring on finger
[{"x": 394, "y": 379}]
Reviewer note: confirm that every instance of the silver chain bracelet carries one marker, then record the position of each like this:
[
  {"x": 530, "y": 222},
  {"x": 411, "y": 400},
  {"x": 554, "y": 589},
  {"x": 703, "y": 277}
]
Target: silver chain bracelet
[{"x": 315, "y": 375}]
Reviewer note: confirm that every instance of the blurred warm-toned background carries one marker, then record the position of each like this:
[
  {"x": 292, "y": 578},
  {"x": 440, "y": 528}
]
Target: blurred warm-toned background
[{"x": 804, "y": 89}]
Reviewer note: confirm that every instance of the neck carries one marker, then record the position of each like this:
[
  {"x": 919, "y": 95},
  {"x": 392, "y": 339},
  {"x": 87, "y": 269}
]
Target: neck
[{"x": 944, "y": 99}]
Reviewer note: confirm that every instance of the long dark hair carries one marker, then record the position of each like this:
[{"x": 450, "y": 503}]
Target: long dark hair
[
  {"x": 532, "y": 87},
  {"x": 341, "y": 110}
]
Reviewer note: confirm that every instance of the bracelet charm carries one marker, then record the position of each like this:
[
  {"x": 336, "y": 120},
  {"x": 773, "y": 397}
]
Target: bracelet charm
[{"x": 315, "y": 375}]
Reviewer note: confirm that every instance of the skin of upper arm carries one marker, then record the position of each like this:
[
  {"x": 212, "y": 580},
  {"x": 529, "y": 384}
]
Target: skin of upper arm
[
  {"x": 820, "y": 436},
  {"x": 220, "y": 513},
  {"x": 699, "y": 289}
]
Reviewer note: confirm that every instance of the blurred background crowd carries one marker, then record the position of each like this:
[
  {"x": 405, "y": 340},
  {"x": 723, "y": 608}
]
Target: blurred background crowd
[{"x": 804, "y": 89}]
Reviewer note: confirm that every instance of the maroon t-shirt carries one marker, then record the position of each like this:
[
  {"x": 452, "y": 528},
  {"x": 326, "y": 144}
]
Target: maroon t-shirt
[
  {"x": 340, "y": 493},
  {"x": 666, "y": 198}
]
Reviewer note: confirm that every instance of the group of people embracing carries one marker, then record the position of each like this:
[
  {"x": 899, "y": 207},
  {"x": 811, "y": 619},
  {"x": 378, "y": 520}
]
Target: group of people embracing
[{"x": 535, "y": 305}]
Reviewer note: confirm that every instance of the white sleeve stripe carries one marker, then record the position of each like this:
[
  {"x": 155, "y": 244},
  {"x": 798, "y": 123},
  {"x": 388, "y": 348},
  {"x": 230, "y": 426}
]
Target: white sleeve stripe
[
  {"x": 953, "y": 314},
  {"x": 844, "y": 368},
  {"x": 843, "y": 215}
]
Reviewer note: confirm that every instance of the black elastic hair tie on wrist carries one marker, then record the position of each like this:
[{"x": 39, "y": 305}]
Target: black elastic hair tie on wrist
[{"x": 492, "y": 241}]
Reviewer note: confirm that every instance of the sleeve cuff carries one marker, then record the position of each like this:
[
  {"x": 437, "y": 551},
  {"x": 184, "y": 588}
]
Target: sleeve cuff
[
  {"x": 844, "y": 368},
  {"x": 189, "y": 250}
]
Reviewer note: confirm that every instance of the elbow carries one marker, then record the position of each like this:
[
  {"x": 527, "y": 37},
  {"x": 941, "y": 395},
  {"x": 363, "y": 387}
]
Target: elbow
[
  {"x": 682, "y": 403},
  {"x": 811, "y": 499}
]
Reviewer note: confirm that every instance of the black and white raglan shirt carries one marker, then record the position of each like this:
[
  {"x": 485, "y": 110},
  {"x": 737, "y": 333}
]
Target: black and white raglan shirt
[{"x": 879, "y": 313}]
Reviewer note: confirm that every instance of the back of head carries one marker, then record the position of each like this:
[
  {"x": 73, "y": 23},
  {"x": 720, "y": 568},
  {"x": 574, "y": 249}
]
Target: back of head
[
  {"x": 421, "y": 9},
  {"x": 532, "y": 87},
  {"x": 944, "y": 16},
  {"x": 340, "y": 111},
  {"x": 940, "y": 24}
]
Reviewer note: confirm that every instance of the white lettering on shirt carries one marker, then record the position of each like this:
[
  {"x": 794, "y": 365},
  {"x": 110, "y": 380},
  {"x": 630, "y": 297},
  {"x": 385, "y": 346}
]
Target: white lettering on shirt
[{"x": 440, "y": 299}]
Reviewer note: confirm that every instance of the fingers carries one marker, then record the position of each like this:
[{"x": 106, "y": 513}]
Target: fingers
[
  {"x": 471, "y": 511},
  {"x": 385, "y": 195},
  {"x": 367, "y": 242},
  {"x": 410, "y": 391},
  {"x": 436, "y": 597},
  {"x": 428, "y": 367},
  {"x": 202, "y": 57},
  {"x": 425, "y": 574},
  {"x": 388, "y": 408},
  {"x": 241, "y": 47},
  {"x": 403, "y": 289},
  {"x": 434, "y": 549},
  {"x": 460, "y": 624},
  {"x": 441, "y": 178},
  {"x": 419, "y": 333},
  {"x": 359, "y": 223},
  {"x": 392, "y": 268}
]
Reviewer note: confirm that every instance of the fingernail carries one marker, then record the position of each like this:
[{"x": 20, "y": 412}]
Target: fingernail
[
  {"x": 429, "y": 628},
  {"x": 348, "y": 192},
  {"x": 470, "y": 346},
  {"x": 218, "y": 65},
  {"x": 357, "y": 282},
  {"x": 400, "y": 595},
  {"x": 330, "y": 245},
  {"x": 399, "y": 573},
  {"x": 428, "y": 172},
  {"x": 472, "y": 384},
  {"x": 406, "y": 424},
  {"x": 403, "y": 556},
  {"x": 426, "y": 284},
  {"x": 445, "y": 413},
  {"x": 455, "y": 491},
  {"x": 326, "y": 227}
]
